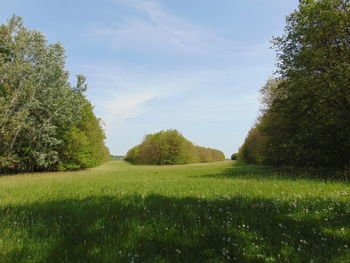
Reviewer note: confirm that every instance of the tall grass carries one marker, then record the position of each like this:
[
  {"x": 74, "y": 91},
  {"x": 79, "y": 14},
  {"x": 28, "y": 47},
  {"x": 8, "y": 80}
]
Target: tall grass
[{"x": 217, "y": 212}]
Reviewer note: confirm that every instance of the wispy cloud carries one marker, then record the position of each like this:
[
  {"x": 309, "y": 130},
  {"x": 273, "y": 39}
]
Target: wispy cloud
[
  {"x": 124, "y": 107},
  {"x": 159, "y": 30},
  {"x": 121, "y": 93},
  {"x": 177, "y": 73}
]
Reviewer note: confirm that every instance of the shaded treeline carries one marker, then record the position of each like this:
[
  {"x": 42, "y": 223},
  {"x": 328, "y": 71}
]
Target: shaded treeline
[
  {"x": 170, "y": 147},
  {"x": 45, "y": 122},
  {"x": 305, "y": 117}
]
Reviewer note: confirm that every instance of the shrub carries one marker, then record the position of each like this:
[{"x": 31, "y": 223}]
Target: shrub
[
  {"x": 234, "y": 156},
  {"x": 170, "y": 147}
]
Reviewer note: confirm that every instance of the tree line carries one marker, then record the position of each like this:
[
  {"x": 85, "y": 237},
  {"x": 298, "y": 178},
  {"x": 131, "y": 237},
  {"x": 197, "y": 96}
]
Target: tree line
[
  {"x": 45, "y": 123},
  {"x": 170, "y": 147},
  {"x": 305, "y": 117}
]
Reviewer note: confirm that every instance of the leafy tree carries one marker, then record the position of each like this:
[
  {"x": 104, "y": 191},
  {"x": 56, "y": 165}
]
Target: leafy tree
[
  {"x": 234, "y": 156},
  {"x": 170, "y": 147},
  {"x": 313, "y": 102},
  {"x": 306, "y": 114},
  {"x": 209, "y": 155},
  {"x": 252, "y": 150},
  {"x": 83, "y": 145},
  {"x": 38, "y": 106}
]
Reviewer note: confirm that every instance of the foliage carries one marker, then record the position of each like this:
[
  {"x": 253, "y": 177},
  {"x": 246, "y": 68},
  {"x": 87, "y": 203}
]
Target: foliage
[
  {"x": 208, "y": 154},
  {"x": 41, "y": 114},
  {"x": 315, "y": 69},
  {"x": 84, "y": 142},
  {"x": 170, "y": 147},
  {"x": 252, "y": 150},
  {"x": 306, "y": 117},
  {"x": 234, "y": 156},
  {"x": 117, "y": 157},
  {"x": 212, "y": 212}
]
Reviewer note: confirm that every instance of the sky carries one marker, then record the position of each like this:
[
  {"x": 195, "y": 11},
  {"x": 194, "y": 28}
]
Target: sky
[{"x": 195, "y": 66}]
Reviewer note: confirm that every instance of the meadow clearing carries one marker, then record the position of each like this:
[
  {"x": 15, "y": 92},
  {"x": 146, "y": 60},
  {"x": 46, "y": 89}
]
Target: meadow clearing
[{"x": 213, "y": 212}]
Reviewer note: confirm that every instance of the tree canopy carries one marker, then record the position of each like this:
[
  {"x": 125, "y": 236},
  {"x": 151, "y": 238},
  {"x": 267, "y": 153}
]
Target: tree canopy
[
  {"x": 170, "y": 147},
  {"x": 306, "y": 116},
  {"x": 45, "y": 122}
]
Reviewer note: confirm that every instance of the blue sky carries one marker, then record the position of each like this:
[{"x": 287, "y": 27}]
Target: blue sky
[{"x": 196, "y": 66}]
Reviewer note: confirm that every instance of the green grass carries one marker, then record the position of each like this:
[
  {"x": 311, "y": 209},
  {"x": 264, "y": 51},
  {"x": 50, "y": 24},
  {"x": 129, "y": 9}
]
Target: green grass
[{"x": 217, "y": 212}]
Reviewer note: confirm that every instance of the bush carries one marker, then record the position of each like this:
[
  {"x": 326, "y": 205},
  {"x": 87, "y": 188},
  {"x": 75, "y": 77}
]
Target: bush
[
  {"x": 234, "y": 156},
  {"x": 170, "y": 147}
]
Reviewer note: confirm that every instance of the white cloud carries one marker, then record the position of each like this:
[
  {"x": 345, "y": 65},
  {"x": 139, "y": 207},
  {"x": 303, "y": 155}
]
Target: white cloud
[
  {"x": 158, "y": 34},
  {"x": 122, "y": 92},
  {"x": 121, "y": 108},
  {"x": 159, "y": 30},
  {"x": 213, "y": 78}
]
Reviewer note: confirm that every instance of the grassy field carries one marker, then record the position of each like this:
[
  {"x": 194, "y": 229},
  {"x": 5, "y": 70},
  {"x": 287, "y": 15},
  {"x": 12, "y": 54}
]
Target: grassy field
[{"x": 218, "y": 212}]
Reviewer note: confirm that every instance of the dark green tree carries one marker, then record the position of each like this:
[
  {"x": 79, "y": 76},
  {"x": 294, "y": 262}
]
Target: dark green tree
[
  {"x": 306, "y": 115},
  {"x": 309, "y": 122},
  {"x": 234, "y": 156}
]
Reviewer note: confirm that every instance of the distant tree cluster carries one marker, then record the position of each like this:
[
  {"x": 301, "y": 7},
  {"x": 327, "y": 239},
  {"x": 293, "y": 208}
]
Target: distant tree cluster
[
  {"x": 234, "y": 156},
  {"x": 306, "y": 115},
  {"x": 117, "y": 157},
  {"x": 170, "y": 147},
  {"x": 45, "y": 123}
]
